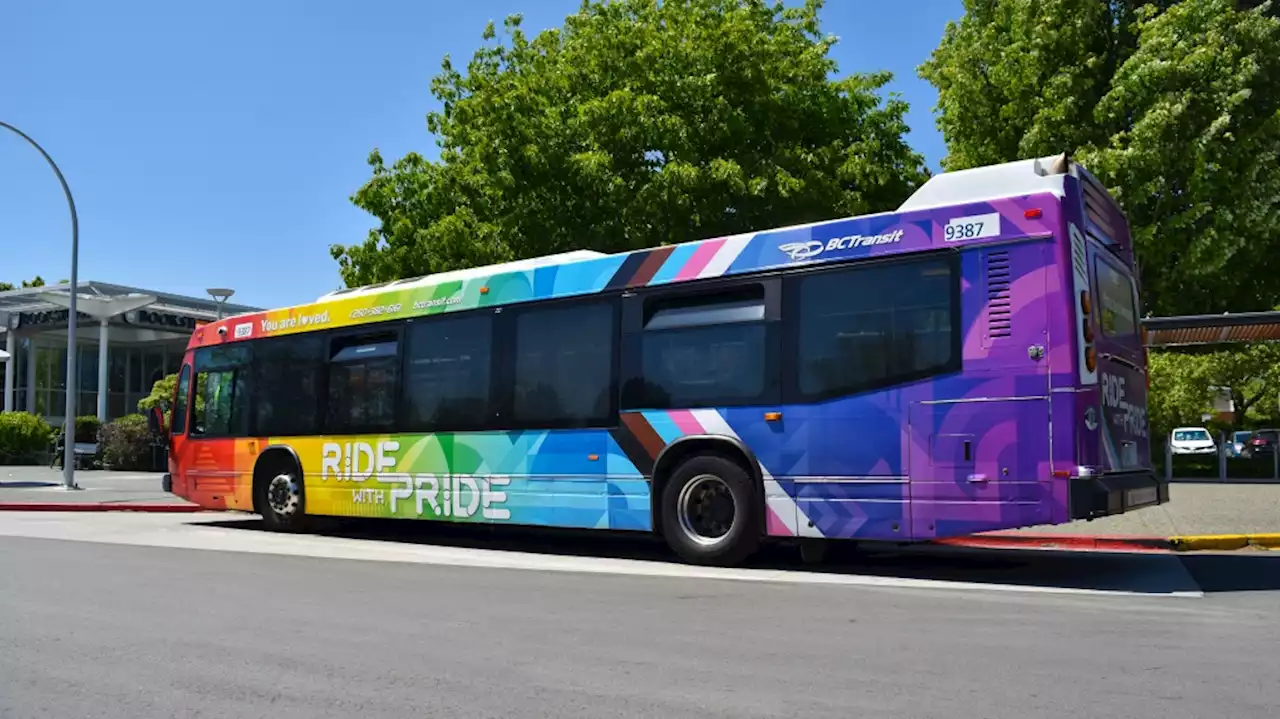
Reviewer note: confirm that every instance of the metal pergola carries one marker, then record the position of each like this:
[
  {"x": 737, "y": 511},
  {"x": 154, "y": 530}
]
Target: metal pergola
[
  {"x": 1198, "y": 330},
  {"x": 1230, "y": 327}
]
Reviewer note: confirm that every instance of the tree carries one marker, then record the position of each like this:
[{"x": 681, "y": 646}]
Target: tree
[
  {"x": 163, "y": 392},
  {"x": 637, "y": 123},
  {"x": 1182, "y": 382},
  {"x": 37, "y": 282},
  {"x": 1175, "y": 105}
]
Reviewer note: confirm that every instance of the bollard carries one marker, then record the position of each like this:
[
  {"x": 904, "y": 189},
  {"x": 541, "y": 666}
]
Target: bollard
[
  {"x": 1275, "y": 463},
  {"x": 1222, "y": 457},
  {"x": 1168, "y": 460}
]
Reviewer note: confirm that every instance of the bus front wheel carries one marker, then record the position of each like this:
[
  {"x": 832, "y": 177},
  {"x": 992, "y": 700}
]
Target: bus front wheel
[
  {"x": 281, "y": 498},
  {"x": 711, "y": 511}
]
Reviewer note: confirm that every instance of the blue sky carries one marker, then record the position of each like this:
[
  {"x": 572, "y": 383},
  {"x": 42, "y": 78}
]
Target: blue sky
[{"x": 217, "y": 144}]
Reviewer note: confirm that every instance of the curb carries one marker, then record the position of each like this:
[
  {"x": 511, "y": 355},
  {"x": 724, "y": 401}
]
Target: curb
[
  {"x": 97, "y": 507},
  {"x": 1063, "y": 541},
  {"x": 1223, "y": 542}
]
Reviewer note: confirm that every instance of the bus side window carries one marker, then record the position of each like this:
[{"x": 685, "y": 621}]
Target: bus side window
[
  {"x": 287, "y": 383},
  {"x": 363, "y": 377},
  {"x": 711, "y": 348},
  {"x": 448, "y": 371},
  {"x": 860, "y": 328},
  {"x": 563, "y": 365}
]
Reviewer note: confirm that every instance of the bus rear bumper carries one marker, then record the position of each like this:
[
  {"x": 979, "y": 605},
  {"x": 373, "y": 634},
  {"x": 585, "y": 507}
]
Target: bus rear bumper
[{"x": 1107, "y": 494}]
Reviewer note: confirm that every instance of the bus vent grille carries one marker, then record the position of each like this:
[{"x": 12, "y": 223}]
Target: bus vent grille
[{"x": 999, "y": 291}]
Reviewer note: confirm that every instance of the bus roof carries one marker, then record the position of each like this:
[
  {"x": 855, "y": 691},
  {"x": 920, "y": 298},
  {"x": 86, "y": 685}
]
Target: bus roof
[{"x": 997, "y": 203}]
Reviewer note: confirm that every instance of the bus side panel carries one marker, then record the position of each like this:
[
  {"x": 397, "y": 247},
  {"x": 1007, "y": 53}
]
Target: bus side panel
[
  {"x": 218, "y": 472},
  {"x": 832, "y": 469},
  {"x": 555, "y": 478},
  {"x": 979, "y": 454}
]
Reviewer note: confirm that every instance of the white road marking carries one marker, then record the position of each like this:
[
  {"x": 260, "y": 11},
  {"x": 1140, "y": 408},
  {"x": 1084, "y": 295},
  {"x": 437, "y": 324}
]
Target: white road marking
[{"x": 187, "y": 531}]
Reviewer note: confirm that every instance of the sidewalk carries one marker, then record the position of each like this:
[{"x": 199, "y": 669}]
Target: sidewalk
[
  {"x": 1194, "y": 508},
  {"x": 43, "y": 486}
]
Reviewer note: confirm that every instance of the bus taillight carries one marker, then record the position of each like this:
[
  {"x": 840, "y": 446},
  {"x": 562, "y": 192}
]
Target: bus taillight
[{"x": 1090, "y": 359}]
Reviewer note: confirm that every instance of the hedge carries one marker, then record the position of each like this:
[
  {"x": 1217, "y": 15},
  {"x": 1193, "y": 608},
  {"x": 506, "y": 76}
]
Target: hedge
[
  {"x": 87, "y": 428},
  {"x": 1197, "y": 466},
  {"x": 25, "y": 438}
]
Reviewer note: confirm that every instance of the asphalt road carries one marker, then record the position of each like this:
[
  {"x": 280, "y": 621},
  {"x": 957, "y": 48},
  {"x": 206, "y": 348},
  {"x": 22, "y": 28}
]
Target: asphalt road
[{"x": 92, "y": 629}]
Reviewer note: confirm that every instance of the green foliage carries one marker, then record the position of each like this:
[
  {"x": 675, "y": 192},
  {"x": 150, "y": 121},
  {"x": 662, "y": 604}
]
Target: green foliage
[
  {"x": 1174, "y": 105},
  {"x": 1191, "y": 466},
  {"x": 162, "y": 395},
  {"x": 636, "y": 124},
  {"x": 87, "y": 428},
  {"x": 37, "y": 282},
  {"x": 1181, "y": 382},
  {"x": 23, "y": 437},
  {"x": 126, "y": 443}
]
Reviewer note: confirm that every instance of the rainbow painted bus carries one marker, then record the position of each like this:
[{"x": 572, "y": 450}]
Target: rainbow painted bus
[{"x": 972, "y": 361}]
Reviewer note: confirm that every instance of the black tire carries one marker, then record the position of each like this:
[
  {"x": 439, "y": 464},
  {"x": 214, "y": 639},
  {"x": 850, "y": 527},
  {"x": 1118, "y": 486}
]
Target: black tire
[
  {"x": 277, "y": 515},
  {"x": 703, "y": 474}
]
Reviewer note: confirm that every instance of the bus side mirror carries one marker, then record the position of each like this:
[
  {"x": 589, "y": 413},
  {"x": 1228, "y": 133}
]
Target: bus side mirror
[{"x": 155, "y": 421}]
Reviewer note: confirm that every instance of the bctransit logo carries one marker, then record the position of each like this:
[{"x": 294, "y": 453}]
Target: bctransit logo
[
  {"x": 812, "y": 248},
  {"x": 802, "y": 250}
]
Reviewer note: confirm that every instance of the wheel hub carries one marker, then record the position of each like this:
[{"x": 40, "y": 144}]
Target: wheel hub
[
  {"x": 283, "y": 495},
  {"x": 706, "y": 509}
]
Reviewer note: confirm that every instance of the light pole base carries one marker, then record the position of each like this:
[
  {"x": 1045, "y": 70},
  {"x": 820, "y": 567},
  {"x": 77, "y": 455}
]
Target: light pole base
[{"x": 72, "y": 488}]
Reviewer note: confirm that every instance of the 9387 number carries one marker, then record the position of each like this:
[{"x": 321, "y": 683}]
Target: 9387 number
[
  {"x": 972, "y": 227},
  {"x": 965, "y": 231}
]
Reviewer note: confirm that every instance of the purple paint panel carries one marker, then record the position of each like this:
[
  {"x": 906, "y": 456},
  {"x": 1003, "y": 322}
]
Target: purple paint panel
[{"x": 985, "y": 461}]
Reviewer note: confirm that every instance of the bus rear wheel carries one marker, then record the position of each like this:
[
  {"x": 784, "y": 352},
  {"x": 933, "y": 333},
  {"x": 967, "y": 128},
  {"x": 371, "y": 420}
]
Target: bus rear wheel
[
  {"x": 281, "y": 496},
  {"x": 711, "y": 512}
]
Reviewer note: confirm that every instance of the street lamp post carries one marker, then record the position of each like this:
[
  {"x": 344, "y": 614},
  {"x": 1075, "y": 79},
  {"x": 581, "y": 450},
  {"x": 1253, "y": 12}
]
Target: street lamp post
[
  {"x": 220, "y": 295},
  {"x": 73, "y": 384}
]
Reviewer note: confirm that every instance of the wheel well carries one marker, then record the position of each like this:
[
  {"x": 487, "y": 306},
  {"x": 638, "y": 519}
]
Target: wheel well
[
  {"x": 270, "y": 463},
  {"x": 675, "y": 454}
]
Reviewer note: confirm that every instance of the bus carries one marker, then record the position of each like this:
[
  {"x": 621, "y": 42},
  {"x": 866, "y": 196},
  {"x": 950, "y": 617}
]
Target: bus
[{"x": 972, "y": 361}]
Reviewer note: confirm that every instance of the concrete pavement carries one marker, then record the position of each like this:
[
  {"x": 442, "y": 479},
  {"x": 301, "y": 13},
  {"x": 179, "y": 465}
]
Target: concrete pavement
[
  {"x": 1193, "y": 508},
  {"x": 124, "y": 630},
  {"x": 43, "y": 486}
]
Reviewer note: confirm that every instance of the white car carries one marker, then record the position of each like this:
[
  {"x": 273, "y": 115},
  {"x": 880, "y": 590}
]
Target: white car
[{"x": 1192, "y": 440}]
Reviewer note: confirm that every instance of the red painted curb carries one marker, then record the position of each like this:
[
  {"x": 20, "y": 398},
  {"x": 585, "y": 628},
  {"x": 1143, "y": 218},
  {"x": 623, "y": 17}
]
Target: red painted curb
[
  {"x": 1068, "y": 542},
  {"x": 95, "y": 507}
]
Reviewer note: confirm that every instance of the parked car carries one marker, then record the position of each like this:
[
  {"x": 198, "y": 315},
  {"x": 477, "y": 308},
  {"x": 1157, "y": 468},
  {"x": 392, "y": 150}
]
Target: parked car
[
  {"x": 1192, "y": 440},
  {"x": 1262, "y": 443},
  {"x": 1238, "y": 440}
]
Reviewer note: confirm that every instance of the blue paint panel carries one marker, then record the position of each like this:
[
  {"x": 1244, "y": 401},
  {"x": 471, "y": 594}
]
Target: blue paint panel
[{"x": 856, "y": 520}]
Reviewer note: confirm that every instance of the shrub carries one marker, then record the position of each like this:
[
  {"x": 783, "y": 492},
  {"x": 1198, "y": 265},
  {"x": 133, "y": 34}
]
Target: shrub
[
  {"x": 24, "y": 437},
  {"x": 87, "y": 428},
  {"x": 126, "y": 443}
]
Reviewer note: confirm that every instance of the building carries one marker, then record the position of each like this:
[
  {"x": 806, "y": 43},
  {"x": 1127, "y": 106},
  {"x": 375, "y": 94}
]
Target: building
[{"x": 127, "y": 339}]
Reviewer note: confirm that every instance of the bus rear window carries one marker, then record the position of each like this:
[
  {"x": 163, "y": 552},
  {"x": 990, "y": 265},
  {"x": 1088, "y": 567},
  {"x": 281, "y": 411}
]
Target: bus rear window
[{"x": 1115, "y": 301}]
